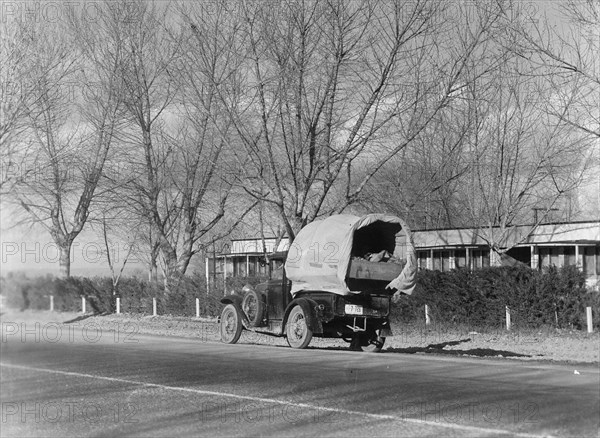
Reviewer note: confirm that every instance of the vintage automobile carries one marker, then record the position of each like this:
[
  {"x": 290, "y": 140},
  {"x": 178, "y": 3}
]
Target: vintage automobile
[{"x": 336, "y": 280}]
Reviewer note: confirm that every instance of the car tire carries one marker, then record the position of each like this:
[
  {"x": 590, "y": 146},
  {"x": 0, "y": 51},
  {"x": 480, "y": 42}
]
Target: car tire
[
  {"x": 373, "y": 344},
  {"x": 230, "y": 325},
  {"x": 254, "y": 308},
  {"x": 297, "y": 331}
]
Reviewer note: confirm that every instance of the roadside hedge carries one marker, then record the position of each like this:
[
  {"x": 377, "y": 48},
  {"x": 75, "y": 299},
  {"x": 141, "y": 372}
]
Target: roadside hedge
[
  {"x": 136, "y": 294},
  {"x": 554, "y": 297}
]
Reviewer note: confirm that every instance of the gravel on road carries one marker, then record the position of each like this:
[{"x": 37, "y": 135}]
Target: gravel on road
[{"x": 548, "y": 344}]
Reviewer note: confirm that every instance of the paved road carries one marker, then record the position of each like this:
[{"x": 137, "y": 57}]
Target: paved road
[{"x": 178, "y": 387}]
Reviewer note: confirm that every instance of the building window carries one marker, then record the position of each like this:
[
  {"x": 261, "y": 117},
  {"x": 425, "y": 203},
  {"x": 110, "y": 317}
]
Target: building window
[
  {"x": 276, "y": 269},
  {"x": 480, "y": 258},
  {"x": 422, "y": 259},
  {"x": 549, "y": 256},
  {"x": 239, "y": 267},
  {"x": 228, "y": 267},
  {"x": 441, "y": 260},
  {"x": 215, "y": 266},
  {"x": 437, "y": 261},
  {"x": 569, "y": 252},
  {"x": 460, "y": 258},
  {"x": 591, "y": 260}
]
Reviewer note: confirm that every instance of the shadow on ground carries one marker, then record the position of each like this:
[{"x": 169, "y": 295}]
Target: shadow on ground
[
  {"x": 429, "y": 349},
  {"x": 435, "y": 349},
  {"x": 440, "y": 349},
  {"x": 86, "y": 316}
]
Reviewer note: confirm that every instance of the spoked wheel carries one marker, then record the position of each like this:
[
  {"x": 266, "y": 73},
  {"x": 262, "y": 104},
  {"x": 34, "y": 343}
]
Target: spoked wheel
[
  {"x": 298, "y": 333},
  {"x": 253, "y": 307},
  {"x": 231, "y": 325}
]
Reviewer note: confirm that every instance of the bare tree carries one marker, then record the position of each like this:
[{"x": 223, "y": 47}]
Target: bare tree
[
  {"x": 564, "y": 49},
  {"x": 422, "y": 182},
  {"x": 71, "y": 132},
  {"x": 329, "y": 92},
  {"x": 522, "y": 158},
  {"x": 112, "y": 251},
  {"x": 18, "y": 92},
  {"x": 511, "y": 143},
  {"x": 177, "y": 137}
]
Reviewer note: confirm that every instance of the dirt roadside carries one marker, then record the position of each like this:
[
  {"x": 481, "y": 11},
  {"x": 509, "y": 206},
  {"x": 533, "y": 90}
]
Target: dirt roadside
[{"x": 545, "y": 345}]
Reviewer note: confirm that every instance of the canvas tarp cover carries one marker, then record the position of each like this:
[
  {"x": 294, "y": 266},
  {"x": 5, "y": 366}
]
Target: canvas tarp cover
[{"x": 320, "y": 255}]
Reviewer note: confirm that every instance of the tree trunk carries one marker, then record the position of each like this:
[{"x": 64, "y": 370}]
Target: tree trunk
[
  {"x": 171, "y": 271},
  {"x": 184, "y": 262},
  {"x": 65, "y": 260},
  {"x": 495, "y": 257},
  {"x": 294, "y": 225},
  {"x": 153, "y": 271}
]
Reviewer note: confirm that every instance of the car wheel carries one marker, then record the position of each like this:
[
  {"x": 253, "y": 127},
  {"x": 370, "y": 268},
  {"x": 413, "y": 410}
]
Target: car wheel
[
  {"x": 231, "y": 325},
  {"x": 297, "y": 331},
  {"x": 374, "y": 344},
  {"x": 253, "y": 307}
]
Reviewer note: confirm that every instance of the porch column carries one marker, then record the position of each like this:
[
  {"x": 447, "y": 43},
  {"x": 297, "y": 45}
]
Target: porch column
[
  {"x": 224, "y": 275},
  {"x": 535, "y": 257}
]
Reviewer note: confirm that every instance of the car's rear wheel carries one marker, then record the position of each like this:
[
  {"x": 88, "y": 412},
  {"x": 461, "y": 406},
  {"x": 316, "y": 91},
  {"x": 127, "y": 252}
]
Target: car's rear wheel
[
  {"x": 298, "y": 333},
  {"x": 374, "y": 344},
  {"x": 231, "y": 325}
]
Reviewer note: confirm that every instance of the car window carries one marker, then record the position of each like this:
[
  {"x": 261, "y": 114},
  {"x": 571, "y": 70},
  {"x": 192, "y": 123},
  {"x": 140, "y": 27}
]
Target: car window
[{"x": 276, "y": 269}]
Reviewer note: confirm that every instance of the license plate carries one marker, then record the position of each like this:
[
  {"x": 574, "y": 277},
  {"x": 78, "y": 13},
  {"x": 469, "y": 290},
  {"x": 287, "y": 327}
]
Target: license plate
[{"x": 353, "y": 309}]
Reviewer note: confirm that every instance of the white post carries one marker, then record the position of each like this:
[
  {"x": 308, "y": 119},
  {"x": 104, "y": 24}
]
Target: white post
[
  {"x": 118, "y": 305},
  {"x": 427, "y": 315},
  {"x": 588, "y": 316},
  {"x": 507, "y": 318},
  {"x": 154, "y": 307},
  {"x": 197, "y": 307},
  {"x": 82, "y": 304},
  {"x": 207, "y": 274},
  {"x": 51, "y": 303}
]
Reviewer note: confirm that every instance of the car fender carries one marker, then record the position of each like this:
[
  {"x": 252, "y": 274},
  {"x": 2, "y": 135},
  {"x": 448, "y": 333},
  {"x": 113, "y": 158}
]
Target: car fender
[
  {"x": 309, "y": 308},
  {"x": 236, "y": 301}
]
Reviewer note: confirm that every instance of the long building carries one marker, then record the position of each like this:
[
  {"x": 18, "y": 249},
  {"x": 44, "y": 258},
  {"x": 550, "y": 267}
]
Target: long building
[{"x": 559, "y": 244}]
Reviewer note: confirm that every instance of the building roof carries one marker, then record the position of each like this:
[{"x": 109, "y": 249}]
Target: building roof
[
  {"x": 547, "y": 234},
  {"x": 248, "y": 246},
  {"x": 571, "y": 232}
]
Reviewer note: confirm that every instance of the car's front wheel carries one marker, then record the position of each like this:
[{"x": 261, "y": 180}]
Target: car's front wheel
[
  {"x": 231, "y": 325},
  {"x": 298, "y": 333}
]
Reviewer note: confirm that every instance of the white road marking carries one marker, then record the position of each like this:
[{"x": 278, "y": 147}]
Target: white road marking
[{"x": 386, "y": 417}]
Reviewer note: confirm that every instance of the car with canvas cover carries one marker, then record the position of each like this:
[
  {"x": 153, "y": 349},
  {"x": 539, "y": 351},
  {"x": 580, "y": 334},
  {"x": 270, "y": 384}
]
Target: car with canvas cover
[{"x": 337, "y": 280}]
